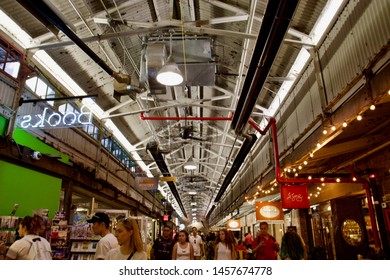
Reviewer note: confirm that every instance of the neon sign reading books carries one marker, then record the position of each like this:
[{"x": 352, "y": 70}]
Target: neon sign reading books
[{"x": 51, "y": 119}]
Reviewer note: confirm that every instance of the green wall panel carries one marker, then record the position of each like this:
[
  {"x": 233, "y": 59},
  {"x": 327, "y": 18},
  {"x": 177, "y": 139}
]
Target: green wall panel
[{"x": 30, "y": 189}]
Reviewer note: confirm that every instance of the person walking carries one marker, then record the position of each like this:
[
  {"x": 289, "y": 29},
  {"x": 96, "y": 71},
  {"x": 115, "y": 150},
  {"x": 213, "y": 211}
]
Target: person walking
[
  {"x": 241, "y": 250},
  {"x": 225, "y": 246},
  {"x": 210, "y": 240},
  {"x": 196, "y": 242},
  {"x": 101, "y": 226},
  {"x": 23, "y": 249},
  {"x": 248, "y": 240},
  {"x": 265, "y": 245},
  {"x": 292, "y": 247},
  {"x": 129, "y": 238},
  {"x": 183, "y": 250},
  {"x": 163, "y": 246}
]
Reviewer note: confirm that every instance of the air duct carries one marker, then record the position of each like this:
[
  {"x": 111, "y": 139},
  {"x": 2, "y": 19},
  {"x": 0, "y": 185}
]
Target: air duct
[
  {"x": 274, "y": 27},
  {"x": 155, "y": 152},
  {"x": 244, "y": 151},
  {"x": 46, "y": 15}
]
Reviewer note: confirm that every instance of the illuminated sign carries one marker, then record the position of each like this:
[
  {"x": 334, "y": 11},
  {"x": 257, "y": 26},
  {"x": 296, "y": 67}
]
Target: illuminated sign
[
  {"x": 269, "y": 211},
  {"x": 51, "y": 119}
]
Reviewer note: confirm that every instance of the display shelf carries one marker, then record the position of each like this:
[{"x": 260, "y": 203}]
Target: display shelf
[{"x": 59, "y": 237}]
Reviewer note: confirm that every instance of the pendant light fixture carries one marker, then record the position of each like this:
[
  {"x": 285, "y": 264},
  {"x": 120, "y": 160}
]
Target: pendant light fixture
[
  {"x": 170, "y": 74},
  {"x": 190, "y": 164}
]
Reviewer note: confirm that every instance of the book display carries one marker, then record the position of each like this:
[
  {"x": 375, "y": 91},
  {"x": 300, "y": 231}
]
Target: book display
[
  {"x": 83, "y": 242},
  {"x": 8, "y": 229},
  {"x": 59, "y": 237}
]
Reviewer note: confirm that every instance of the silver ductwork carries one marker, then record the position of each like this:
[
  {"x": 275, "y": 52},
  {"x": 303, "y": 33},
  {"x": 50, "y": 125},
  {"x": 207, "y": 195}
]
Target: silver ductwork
[{"x": 193, "y": 57}]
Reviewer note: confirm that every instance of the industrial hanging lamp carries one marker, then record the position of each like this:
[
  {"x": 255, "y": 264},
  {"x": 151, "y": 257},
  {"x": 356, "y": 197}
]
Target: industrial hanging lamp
[
  {"x": 190, "y": 164},
  {"x": 170, "y": 74}
]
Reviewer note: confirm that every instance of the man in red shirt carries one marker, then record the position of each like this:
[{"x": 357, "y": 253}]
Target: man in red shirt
[{"x": 265, "y": 245}]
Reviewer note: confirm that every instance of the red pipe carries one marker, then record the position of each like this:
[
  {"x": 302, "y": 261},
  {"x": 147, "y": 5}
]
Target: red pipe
[
  {"x": 279, "y": 179},
  {"x": 158, "y": 118}
]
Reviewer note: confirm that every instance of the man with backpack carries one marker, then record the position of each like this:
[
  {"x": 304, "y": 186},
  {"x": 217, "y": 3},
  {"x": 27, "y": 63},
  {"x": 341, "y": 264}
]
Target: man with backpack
[{"x": 265, "y": 246}]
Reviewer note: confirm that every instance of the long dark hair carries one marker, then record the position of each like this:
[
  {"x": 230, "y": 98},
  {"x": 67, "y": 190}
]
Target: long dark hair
[
  {"x": 229, "y": 240},
  {"x": 292, "y": 247},
  {"x": 34, "y": 225}
]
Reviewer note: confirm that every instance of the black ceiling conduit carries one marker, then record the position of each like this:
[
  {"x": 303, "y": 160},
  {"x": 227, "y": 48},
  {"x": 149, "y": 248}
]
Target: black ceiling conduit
[
  {"x": 268, "y": 19},
  {"x": 40, "y": 10},
  {"x": 256, "y": 80},
  {"x": 152, "y": 147},
  {"x": 244, "y": 151}
]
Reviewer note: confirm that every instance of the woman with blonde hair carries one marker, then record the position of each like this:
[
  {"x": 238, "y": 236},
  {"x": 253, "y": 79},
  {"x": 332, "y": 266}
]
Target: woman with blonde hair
[{"x": 129, "y": 238}]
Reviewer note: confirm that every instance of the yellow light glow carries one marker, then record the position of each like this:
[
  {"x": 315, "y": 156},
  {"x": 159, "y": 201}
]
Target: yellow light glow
[
  {"x": 325, "y": 131},
  {"x": 333, "y": 128},
  {"x": 372, "y": 107},
  {"x": 359, "y": 118},
  {"x": 345, "y": 124},
  {"x": 305, "y": 162},
  {"x": 338, "y": 180}
]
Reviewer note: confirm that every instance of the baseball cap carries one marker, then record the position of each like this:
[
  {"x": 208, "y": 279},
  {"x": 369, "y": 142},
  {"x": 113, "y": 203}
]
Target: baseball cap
[{"x": 99, "y": 217}]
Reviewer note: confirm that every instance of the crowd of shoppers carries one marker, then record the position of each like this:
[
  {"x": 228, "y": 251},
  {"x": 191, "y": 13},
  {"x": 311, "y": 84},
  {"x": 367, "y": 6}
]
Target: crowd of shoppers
[{"x": 127, "y": 243}]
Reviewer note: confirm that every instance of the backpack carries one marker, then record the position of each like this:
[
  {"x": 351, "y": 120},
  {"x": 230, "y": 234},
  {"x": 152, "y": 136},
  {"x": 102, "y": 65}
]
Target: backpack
[{"x": 37, "y": 250}]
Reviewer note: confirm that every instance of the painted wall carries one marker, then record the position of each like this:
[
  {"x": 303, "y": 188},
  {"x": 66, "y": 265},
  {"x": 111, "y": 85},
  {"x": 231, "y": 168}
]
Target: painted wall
[{"x": 30, "y": 189}]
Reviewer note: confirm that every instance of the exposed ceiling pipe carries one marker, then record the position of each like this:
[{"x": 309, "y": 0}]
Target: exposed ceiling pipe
[
  {"x": 266, "y": 25},
  {"x": 242, "y": 154},
  {"x": 159, "y": 118},
  {"x": 43, "y": 11},
  {"x": 152, "y": 147},
  {"x": 289, "y": 181},
  {"x": 273, "y": 39}
]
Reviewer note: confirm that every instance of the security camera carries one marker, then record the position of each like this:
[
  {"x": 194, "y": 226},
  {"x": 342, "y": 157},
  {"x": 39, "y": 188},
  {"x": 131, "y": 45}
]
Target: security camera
[{"x": 36, "y": 155}]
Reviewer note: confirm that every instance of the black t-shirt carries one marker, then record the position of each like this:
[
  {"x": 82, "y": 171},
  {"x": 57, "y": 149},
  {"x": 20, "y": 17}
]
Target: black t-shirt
[{"x": 163, "y": 248}]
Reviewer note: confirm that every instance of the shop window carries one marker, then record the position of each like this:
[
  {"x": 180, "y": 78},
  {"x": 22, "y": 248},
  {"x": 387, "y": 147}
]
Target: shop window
[
  {"x": 40, "y": 88},
  {"x": 9, "y": 59}
]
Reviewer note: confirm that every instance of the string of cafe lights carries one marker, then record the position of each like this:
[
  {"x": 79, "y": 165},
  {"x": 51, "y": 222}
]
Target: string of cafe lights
[{"x": 333, "y": 132}]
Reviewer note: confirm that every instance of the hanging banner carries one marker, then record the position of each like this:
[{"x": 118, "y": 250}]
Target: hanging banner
[
  {"x": 233, "y": 225},
  {"x": 266, "y": 211},
  {"x": 146, "y": 183},
  {"x": 294, "y": 197}
]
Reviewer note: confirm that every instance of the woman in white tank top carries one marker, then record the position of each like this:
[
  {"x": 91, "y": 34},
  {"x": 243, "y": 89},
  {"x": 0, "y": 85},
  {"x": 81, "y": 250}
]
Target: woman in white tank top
[
  {"x": 183, "y": 250},
  {"x": 225, "y": 247}
]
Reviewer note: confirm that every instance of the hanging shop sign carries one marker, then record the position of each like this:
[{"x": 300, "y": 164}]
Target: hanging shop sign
[
  {"x": 269, "y": 211},
  {"x": 146, "y": 183},
  {"x": 168, "y": 179},
  {"x": 233, "y": 225},
  {"x": 294, "y": 197},
  {"x": 51, "y": 119}
]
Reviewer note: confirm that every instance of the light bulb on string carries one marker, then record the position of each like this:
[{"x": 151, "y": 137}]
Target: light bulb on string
[
  {"x": 333, "y": 128},
  {"x": 359, "y": 117},
  {"x": 324, "y": 132},
  {"x": 372, "y": 107},
  {"x": 345, "y": 124}
]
